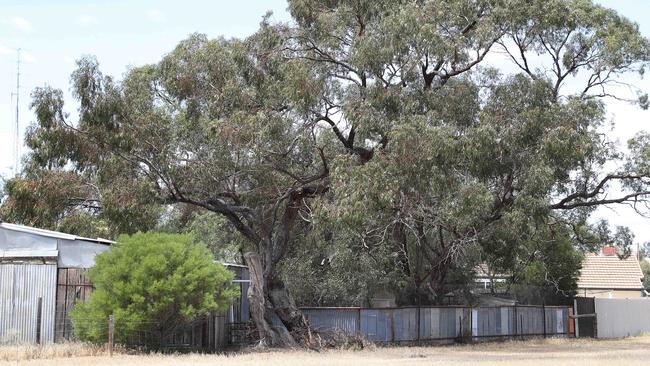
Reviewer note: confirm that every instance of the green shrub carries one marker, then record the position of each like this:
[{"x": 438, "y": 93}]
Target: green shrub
[{"x": 152, "y": 283}]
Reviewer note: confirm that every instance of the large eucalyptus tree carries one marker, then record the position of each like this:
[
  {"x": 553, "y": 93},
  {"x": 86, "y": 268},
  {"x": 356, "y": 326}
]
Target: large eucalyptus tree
[{"x": 374, "y": 117}]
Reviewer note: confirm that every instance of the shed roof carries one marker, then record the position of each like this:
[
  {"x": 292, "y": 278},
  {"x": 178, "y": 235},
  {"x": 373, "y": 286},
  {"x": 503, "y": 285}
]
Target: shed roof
[
  {"x": 610, "y": 272},
  {"x": 19, "y": 242},
  {"x": 51, "y": 234}
]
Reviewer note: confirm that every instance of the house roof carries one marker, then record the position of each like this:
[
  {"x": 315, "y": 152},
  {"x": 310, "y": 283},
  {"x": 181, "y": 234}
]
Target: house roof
[
  {"x": 483, "y": 270},
  {"x": 610, "y": 272}
]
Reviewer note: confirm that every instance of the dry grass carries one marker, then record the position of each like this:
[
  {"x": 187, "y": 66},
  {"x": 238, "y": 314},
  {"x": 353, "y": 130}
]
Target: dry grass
[
  {"x": 54, "y": 351},
  {"x": 555, "y": 352}
]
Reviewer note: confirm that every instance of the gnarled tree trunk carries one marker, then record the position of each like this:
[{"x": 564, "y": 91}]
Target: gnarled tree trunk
[{"x": 270, "y": 299}]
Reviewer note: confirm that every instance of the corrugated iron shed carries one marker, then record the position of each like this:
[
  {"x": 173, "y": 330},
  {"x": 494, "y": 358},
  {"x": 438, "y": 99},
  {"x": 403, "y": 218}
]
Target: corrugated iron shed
[{"x": 30, "y": 260}]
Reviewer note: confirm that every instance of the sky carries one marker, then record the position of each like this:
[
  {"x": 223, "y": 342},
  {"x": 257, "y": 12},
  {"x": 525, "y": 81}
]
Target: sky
[{"x": 121, "y": 33}]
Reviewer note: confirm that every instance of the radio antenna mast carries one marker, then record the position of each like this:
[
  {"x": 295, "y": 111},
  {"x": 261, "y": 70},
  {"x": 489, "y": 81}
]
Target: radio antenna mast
[{"x": 17, "y": 126}]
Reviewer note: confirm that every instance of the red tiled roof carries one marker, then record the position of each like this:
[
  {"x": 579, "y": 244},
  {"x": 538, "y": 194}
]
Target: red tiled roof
[{"x": 610, "y": 272}]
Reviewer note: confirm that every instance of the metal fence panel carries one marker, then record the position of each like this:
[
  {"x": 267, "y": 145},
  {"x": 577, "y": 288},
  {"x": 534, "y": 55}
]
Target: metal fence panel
[
  {"x": 337, "y": 319},
  {"x": 406, "y": 324},
  {"x": 22, "y": 285},
  {"x": 621, "y": 317},
  {"x": 430, "y": 323},
  {"x": 376, "y": 325}
]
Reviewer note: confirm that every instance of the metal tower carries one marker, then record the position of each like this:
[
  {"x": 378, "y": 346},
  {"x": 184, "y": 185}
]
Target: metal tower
[{"x": 17, "y": 126}]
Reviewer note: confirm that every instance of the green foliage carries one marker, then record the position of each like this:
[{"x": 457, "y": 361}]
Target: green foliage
[
  {"x": 645, "y": 268},
  {"x": 152, "y": 283},
  {"x": 331, "y": 268},
  {"x": 206, "y": 228},
  {"x": 43, "y": 200},
  {"x": 551, "y": 274}
]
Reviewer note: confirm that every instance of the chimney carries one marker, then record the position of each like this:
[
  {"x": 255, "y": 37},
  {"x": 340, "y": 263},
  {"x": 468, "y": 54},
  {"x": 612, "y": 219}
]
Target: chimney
[{"x": 609, "y": 251}]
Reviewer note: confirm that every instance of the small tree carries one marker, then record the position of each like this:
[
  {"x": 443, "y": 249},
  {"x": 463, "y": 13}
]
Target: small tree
[{"x": 153, "y": 284}]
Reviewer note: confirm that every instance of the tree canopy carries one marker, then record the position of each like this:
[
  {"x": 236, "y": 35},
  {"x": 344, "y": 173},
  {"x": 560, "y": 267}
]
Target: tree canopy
[{"x": 379, "y": 125}]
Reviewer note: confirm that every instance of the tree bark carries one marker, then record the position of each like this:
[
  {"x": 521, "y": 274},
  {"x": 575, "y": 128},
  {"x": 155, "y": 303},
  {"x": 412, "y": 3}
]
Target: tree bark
[
  {"x": 256, "y": 299},
  {"x": 269, "y": 301}
]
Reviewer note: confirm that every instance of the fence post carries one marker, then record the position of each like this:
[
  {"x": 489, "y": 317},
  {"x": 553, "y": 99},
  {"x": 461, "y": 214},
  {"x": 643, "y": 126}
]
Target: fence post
[
  {"x": 418, "y": 325},
  {"x": 111, "y": 331},
  {"x": 392, "y": 324},
  {"x": 39, "y": 320},
  {"x": 575, "y": 320},
  {"x": 544, "y": 318},
  {"x": 359, "y": 323},
  {"x": 516, "y": 325}
]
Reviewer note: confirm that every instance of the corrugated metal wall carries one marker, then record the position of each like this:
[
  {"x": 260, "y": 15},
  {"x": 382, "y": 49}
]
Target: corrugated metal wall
[
  {"x": 441, "y": 323},
  {"x": 346, "y": 320},
  {"x": 21, "y": 286}
]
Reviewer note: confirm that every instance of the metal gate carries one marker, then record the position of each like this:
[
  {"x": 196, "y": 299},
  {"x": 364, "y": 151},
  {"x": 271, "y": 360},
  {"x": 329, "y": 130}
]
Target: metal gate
[{"x": 585, "y": 316}]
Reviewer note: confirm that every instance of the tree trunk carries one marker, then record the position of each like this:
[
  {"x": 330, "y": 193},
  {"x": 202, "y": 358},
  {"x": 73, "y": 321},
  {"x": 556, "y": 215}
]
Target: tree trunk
[
  {"x": 270, "y": 299},
  {"x": 257, "y": 300},
  {"x": 437, "y": 281}
]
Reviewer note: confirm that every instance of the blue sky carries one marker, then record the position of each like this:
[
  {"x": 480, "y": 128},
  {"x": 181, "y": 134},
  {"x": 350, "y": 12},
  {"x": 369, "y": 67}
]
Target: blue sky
[{"x": 124, "y": 33}]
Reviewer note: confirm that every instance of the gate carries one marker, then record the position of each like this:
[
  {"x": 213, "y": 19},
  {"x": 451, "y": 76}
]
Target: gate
[{"x": 585, "y": 316}]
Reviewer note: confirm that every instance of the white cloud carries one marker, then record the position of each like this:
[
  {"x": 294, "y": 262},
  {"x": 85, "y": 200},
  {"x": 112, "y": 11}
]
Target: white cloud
[
  {"x": 27, "y": 57},
  {"x": 86, "y": 20},
  {"x": 6, "y": 50},
  {"x": 156, "y": 16},
  {"x": 21, "y": 24}
]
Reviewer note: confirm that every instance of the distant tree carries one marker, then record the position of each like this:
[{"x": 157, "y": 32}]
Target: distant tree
[
  {"x": 153, "y": 284},
  {"x": 644, "y": 250},
  {"x": 645, "y": 267},
  {"x": 62, "y": 200}
]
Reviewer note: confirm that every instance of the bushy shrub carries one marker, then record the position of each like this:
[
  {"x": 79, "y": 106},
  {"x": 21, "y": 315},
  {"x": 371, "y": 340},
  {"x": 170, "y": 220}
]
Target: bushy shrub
[{"x": 152, "y": 283}]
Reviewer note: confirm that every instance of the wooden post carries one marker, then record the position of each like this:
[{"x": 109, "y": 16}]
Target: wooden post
[
  {"x": 575, "y": 322},
  {"x": 39, "y": 315},
  {"x": 111, "y": 330}
]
